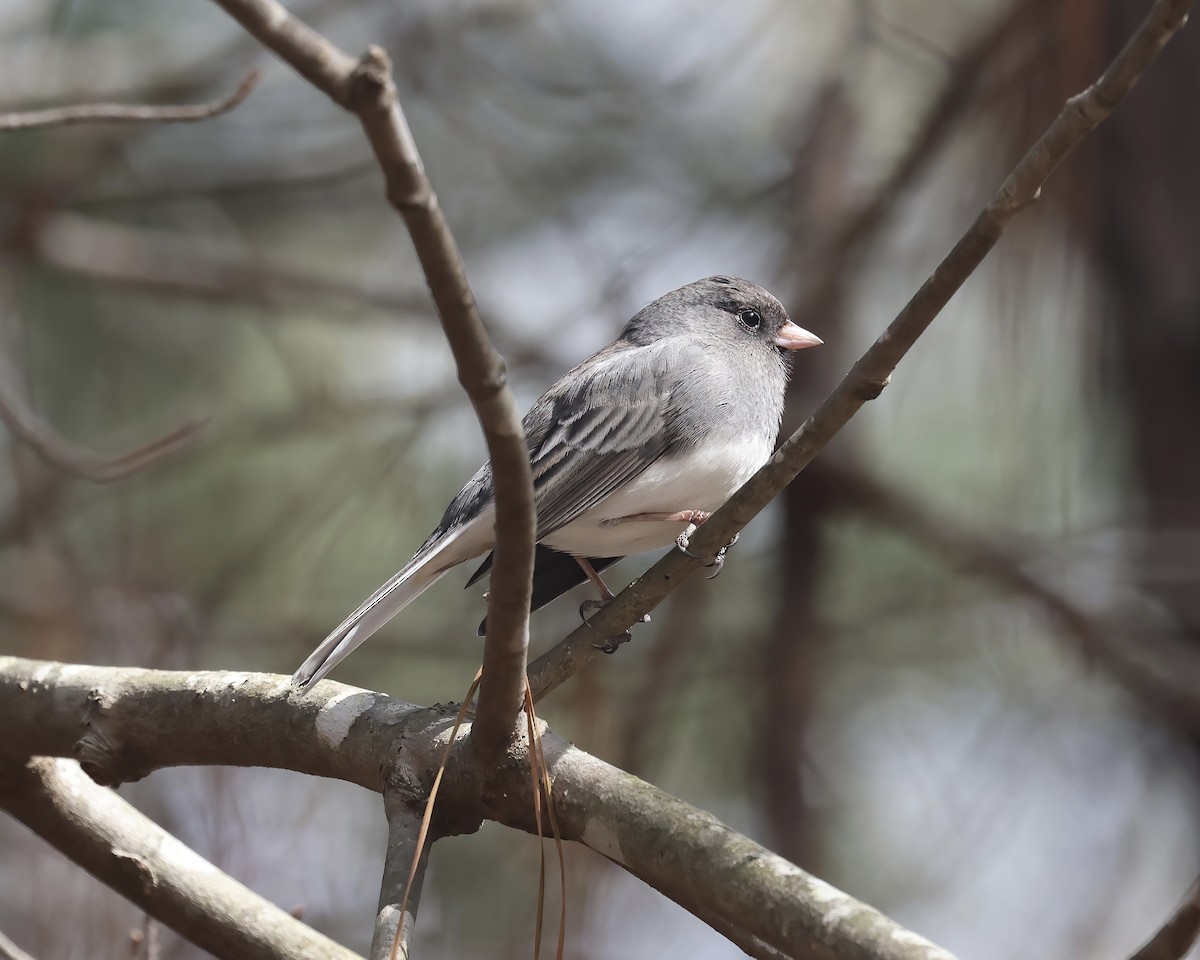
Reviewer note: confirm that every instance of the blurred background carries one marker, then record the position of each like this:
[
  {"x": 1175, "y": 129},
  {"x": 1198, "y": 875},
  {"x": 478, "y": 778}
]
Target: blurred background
[{"x": 955, "y": 670}]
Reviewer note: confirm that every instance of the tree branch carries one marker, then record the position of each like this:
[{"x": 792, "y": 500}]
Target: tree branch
[
  {"x": 135, "y": 721},
  {"x": 404, "y": 835},
  {"x": 871, "y": 373},
  {"x": 74, "y": 459},
  {"x": 366, "y": 89},
  {"x": 137, "y": 858},
  {"x": 126, "y": 113}
]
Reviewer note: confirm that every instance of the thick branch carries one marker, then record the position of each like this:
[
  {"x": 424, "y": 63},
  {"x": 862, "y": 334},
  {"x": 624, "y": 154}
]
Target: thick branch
[
  {"x": 137, "y": 858},
  {"x": 867, "y": 378},
  {"x": 126, "y": 113},
  {"x": 366, "y": 88},
  {"x": 134, "y": 721}
]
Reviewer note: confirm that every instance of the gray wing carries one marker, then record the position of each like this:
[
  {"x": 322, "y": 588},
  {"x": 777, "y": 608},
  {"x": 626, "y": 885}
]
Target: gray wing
[{"x": 597, "y": 429}]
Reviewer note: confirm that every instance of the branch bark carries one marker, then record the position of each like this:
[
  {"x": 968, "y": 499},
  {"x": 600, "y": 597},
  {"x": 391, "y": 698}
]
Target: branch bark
[
  {"x": 135, "y": 721},
  {"x": 366, "y": 89},
  {"x": 871, "y": 373},
  {"x": 137, "y": 858},
  {"x": 126, "y": 113}
]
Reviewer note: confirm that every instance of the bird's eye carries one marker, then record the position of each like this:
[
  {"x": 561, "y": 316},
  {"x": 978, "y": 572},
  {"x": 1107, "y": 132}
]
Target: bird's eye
[{"x": 751, "y": 319}]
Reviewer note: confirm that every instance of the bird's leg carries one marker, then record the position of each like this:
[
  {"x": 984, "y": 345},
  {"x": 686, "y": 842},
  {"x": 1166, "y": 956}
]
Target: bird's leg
[
  {"x": 589, "y": 608},
  {"x": 601, "y": 586}
]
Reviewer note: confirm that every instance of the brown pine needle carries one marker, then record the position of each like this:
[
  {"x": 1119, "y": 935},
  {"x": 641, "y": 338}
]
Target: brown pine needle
[
  {"x": 535, "y": 744},
  {"x": 423, "y": 834}
]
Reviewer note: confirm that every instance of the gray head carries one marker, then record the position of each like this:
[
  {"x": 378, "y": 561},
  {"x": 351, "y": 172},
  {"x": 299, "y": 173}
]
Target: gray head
[{"x": 726, "y": 313}]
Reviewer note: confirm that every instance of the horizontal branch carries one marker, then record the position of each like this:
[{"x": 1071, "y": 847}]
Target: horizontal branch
[
  {"x": 126, "y": 113},
  {"x": 124, "y": 723},
  {"x": 872, "y": 372},
  {"x": 126, "y": 850}
]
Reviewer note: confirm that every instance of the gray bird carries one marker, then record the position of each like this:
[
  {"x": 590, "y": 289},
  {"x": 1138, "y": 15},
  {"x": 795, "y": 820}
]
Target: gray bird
[{"x": 638, "y": 442}]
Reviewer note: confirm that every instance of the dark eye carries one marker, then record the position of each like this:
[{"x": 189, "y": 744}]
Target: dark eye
[{"x": 751, "y": 319}]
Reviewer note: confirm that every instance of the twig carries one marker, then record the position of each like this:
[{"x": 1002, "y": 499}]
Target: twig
[
  {"x": 1165, "y": 674},
  {"x": 958, "y": 93},
  {"x": 1178, "y": 934},
  {"x": 366, "y": 89},
  {"x": 10, "y": 951},
  {"x": 74, "y": 459},
  {"x": 126, "y": 113},
  {"x": 867, "y": 378},
  {"x": 404, "y": 836},
  {"x": 133, "y": 855}
]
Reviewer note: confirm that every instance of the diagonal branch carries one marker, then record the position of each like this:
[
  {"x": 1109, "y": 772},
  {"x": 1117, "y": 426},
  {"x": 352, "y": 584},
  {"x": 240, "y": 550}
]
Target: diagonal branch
[
  {"x": 137, "y": 858},
  {"x": 74, "y": 459},
  {"x": 126, "y": 113},
  {"x": 365, "y": 87},
  {"x": 867, "y": 378}
]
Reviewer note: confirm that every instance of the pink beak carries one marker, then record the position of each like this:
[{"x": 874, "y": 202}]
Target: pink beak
[{"x": 792, "y": 337}]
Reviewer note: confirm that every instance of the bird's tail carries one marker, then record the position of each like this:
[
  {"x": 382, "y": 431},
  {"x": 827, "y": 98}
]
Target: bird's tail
[{"x": 418, "y": 575}]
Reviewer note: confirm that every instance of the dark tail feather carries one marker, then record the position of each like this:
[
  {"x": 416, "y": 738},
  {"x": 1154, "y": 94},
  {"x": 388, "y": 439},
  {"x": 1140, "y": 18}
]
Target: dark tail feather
[{"x": 554, "y": 574}]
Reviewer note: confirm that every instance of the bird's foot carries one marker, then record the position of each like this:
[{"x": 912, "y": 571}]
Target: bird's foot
[
  {"x": 716, "y": 561},
  {"x": 589, "y": 608}
]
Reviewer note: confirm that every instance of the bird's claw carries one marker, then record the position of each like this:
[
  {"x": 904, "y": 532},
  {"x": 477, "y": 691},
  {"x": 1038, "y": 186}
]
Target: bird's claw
[
  {"x": 588, "y": 609},
  {"x": 716, "y": 561},
  {"x": 610, "y": 645}
]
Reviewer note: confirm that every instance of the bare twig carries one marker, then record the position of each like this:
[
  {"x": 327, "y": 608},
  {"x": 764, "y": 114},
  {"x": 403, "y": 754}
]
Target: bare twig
[
  {"x": 1178, "y": 934},
  {"x": 126, "y": 113},
  {"x": 366, "y": 88},
  {"x": 871, "y": 373},
  {"x": 134, "y": 721},
  {"x": 132, "y": 854},
  {"x": 958, "y": 93},
  {"x": 77, "y": 460},
  {"x": 1163, "y": 672}
]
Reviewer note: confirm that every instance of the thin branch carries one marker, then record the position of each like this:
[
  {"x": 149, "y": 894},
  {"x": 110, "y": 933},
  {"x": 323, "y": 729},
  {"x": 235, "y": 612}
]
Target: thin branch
[
  {"x": 126, "y": 113},
  {"x": 137, "y": 858},
  {"x": 1178, "y": 934},
  {"x": 867, "y": 378},
  {"x": 958, "y": 94},
  {"x": 1163, "y": 672},
  {"x": 79, "y": 461},
  {"x": 366, "y": 89}
]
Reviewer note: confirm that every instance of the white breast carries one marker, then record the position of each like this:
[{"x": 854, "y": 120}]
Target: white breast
[{"x": 697, "y": 480}]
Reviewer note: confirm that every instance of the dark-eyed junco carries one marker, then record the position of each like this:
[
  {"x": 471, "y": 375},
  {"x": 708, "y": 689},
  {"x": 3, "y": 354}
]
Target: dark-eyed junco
[{"x": 647, "y": 436}]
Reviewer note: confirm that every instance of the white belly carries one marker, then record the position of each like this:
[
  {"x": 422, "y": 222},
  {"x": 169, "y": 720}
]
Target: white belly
[{"x": 693, "y": 481}]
